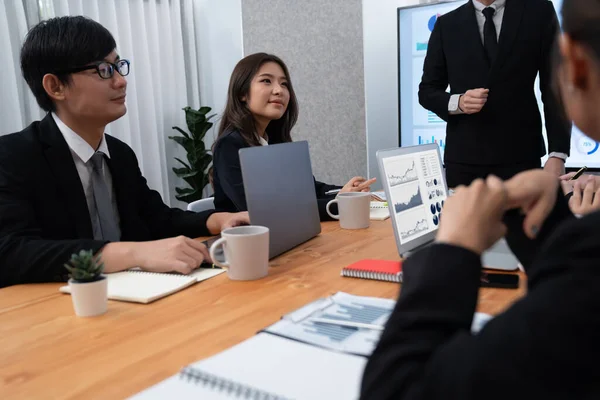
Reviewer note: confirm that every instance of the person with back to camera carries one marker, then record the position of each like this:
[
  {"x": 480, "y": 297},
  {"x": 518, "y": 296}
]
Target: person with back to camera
[{"x": 544, "y": 346}]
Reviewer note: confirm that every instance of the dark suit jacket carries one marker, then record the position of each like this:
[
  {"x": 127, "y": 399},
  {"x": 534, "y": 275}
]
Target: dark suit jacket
[
  {"x": 508, "y": 129},
  {"x": 545, "y": 346},
  {"x": 44, "y": 216},
  {"x": 229, "y": 185}
]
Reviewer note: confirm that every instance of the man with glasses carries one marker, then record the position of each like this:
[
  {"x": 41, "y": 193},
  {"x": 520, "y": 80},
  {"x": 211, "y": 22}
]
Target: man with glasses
[{"x": 66, "y": 186}]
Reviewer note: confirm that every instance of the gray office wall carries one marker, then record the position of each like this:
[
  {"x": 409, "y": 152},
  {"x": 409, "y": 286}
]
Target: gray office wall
[{"x": 321, "y": 43}]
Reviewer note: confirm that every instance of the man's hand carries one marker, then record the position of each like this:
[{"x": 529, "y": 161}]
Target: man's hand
[
  {"x": 534, "y": 192},
  {"x": 473, "y": 215},
  {"x": 223, "y": 220},
  {"x": 236, "y": 219},
  {"x": 586, "y": 198},
  {"x": 180, "y": 254},
  {"x": 358, "y": 184},
  {"x": 473, "y": 100},
  {"x": 555, "y": 166}
]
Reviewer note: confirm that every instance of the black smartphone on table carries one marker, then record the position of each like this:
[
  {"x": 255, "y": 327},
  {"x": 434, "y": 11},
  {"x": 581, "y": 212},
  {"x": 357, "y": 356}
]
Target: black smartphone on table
[
  {"x": 218, "y": 253},
  {"x": 506, "y": 281}
]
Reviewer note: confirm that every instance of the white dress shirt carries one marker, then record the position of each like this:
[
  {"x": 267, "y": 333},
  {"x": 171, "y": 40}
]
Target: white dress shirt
[
  {"x": 499, "y": 6},
  {"x": 82, "y": 152}
]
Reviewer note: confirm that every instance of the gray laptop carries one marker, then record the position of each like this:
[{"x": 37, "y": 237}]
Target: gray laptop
[
  {"x": 415, "y": 187},
  {"x": 280, "y": 193}
]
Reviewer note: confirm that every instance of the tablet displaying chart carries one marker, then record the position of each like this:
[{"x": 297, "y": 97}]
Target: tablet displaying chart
[
  {"x": 416, "y": 192},
  {"x": 421, "y": 126}
]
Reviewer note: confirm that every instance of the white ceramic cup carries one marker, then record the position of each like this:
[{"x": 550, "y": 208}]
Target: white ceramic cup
[
  {"x": 354, "y": 208},
  {"x": 246, "y": 250}
]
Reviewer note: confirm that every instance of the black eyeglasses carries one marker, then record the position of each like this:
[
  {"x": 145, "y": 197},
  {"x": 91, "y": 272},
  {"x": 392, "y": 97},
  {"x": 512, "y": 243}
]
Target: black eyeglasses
[{"x": 105, "y": 69}]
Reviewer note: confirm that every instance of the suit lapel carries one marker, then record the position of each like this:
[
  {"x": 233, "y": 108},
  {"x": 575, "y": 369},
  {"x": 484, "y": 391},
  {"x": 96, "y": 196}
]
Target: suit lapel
[
  {"x": 513, "y": 14},
  {"x": 60, "y": 161}
]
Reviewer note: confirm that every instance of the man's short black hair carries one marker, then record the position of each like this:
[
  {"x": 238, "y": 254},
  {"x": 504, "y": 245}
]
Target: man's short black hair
[{"x": 59, "y": 44}]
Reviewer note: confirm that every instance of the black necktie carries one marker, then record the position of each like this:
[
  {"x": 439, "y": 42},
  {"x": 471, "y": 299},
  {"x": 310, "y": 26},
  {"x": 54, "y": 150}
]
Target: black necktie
[{"x": 490, "y": 38}]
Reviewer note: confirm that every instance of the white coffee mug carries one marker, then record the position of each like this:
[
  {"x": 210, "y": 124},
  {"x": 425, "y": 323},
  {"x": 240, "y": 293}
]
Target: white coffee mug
[
  {"x": 354, "y": 208},
  {"x": 246, "y": 250}
]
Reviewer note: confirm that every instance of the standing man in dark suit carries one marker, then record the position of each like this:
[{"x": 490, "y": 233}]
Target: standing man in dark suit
[
  {"x": 490, "y": 53},
  {"x": 66, "y": 186}
]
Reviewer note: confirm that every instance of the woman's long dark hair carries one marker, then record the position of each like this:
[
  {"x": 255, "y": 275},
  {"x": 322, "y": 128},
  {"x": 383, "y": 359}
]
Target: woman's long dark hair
[
  {"x": 581, "y": 21},
  {"x": 238, "y": 117}
]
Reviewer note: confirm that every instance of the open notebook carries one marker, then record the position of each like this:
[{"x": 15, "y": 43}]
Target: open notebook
[
  {"x": 379, "y": 211},
  {"x": 266, "y": 367},
  {"x": 292, "y": 359},
  {"x": 145, "y": 287}
]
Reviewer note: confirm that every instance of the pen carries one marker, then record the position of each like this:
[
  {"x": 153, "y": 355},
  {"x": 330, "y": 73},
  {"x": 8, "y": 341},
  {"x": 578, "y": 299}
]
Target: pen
[
  {"x": 334, "y": 191},
  {"x": 346, "y": 323},
  {"x": 578, "y": 173}
]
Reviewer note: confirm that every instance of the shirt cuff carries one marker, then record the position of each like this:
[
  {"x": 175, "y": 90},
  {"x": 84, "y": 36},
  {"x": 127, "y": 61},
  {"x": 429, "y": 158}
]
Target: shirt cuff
[
  {"x": 556, "y": 154},
  {"x": 454, "y": 99}
]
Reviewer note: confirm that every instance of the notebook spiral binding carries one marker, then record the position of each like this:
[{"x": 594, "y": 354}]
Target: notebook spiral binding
[
  {"x": 226, "y": 386},
  {"x": 372, "y": 275}
]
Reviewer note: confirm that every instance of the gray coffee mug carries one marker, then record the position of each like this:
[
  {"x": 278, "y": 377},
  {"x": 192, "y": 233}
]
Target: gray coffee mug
[
  {"x": 354, "y": 208},
  {"x": 246, "y": 251}
]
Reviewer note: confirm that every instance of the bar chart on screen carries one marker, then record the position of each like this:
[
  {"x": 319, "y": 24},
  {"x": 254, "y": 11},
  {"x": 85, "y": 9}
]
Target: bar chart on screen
[{"x": 431, "y": 139}]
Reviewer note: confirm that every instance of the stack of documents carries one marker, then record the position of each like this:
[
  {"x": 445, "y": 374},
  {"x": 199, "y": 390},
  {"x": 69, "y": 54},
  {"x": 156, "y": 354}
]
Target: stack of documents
[{"x": 342, "y": 322}]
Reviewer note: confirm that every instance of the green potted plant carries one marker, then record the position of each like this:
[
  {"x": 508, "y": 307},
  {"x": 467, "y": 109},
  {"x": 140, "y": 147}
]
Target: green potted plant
[
  {"x": 88, "y": 287},
  {"x": 195, "y": 170}
]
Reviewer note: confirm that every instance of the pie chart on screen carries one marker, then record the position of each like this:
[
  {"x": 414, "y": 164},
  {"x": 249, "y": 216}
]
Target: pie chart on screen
[
  {"x": 431, "y": 22},
  {"x": 586, "y": 146}
]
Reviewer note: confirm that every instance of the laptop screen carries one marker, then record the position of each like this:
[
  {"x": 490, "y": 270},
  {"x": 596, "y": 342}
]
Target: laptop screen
[{"x": 416, "y": 191}]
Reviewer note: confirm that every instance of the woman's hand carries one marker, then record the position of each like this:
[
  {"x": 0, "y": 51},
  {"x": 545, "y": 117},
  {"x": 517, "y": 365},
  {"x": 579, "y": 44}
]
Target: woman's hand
[
  {"x": 358, "y": 184},
  {"x": 568, "y": 185},
  {"x": 472, "y": 217},
  {"x": 586, "y": 197},
  {"x": 534, "y": 192}
]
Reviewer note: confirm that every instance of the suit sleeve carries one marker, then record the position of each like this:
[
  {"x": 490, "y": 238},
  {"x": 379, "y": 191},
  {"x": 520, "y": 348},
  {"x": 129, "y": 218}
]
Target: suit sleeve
[
  {"x": 26, "y": 257},
  {"x": 164, "y": 221},
  {"x": 432, "y": 90},
  {"x": 428, "y": 352},
  {"x": 226, "y": 159},
  {"x": 322, "y": 199},
  {"x": 558, "y": 126}
]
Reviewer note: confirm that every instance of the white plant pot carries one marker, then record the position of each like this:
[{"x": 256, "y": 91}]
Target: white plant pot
[{"x": 89, "y": 298}]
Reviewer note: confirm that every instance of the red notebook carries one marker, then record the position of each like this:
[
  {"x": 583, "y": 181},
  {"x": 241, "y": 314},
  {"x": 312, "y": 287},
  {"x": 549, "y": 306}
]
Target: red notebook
[{"x": 380, "y": 270}]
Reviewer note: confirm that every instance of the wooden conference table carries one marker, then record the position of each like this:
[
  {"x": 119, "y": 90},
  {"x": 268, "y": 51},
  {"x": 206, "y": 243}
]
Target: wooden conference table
[{"x": 46, "y": 352}]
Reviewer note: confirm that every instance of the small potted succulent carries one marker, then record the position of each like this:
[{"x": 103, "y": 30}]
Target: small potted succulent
[{"x": 89, "y": 288}]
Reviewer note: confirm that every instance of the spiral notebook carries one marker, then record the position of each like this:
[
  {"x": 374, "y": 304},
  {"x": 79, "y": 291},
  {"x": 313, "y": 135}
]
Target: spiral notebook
[
  {"x": 380, "y": 270},
  {"x": 145, "y": 287},
  {"x": 266, "y": 367}
]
